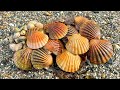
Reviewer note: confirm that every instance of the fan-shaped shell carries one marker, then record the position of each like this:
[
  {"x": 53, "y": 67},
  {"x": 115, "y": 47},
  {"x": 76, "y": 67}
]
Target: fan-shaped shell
[
  {"x": 40, "y": 58},
  {"x": 79, "y": 20},
  {"x": 54, "y": 45},
  {"x": 100, "y": 51},
  {"x": 68, "y": 62},
  {"x": 22, "y": 59},
  {"x": 71, "y": 30},
  {"x": 90, "y": 30},
  {"x": 36, "y": 39},
  {"x": 56, "y": 30},
  {"x": 77, "y": 44}
]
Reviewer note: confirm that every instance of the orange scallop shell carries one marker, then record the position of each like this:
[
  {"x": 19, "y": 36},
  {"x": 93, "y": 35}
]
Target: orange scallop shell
[
  {"x": 71, "y": 30},
  {"x": 54, "y": 45},
  {"x": 68, "y": 62},
  {"x": 41, "y": 59},
  {"x": 36, "y": 39},
  {"x": 100, "y": 51},
  {"x": 77, "y": 44},
  {"x": 21, "y": 59},
  {"x": 79, "y": 20},
  {"x": 56, "y": 30},
  {"x": 90, "y": 30}
]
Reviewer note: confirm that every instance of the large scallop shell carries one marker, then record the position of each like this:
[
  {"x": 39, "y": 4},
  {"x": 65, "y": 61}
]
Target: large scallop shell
[
  {"x": 54, "y": 45},
  {"x": 56, "y": 30},
  {"x": 100, "y": 51},
  {"x": 77, "y": 44},
  {"x": 90, "y": 30},
  {"x": 41, "y": 59},
  {"x": 79, "y": 20},
  {"x": 22, "y": 60},
  {"x": 36, "y": 39},
  {"x": 68, "y": 62}
]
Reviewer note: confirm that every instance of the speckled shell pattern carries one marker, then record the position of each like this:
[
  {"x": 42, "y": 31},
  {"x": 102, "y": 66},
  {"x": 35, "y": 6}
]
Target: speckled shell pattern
[
  {"x": 22, "y": 60},
  {"x": 90, "y": 30},
  {"x": 100, "y": 51},
  {"x": 68, "y": 62},
  {"x": 77, "y": 44},
  {"x": 57, "y": 30},
  {"x": 36, "y": 39},
  {"x": 55, "y": 46},
  {"x": 41, "y": 59}
]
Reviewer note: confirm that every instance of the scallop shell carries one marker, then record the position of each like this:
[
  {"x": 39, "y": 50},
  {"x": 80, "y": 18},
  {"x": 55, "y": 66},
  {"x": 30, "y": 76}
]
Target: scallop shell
[
  {"x": 90, "y": 30},
  {"x": 36, "y": 39},
  {"x": 77, "y": 44},
  {"x": 100, "y": 51},
  {"x": 56, "y": 30},
  {"x": 54, "y": 46},
  {"x": 71, "y": 30},
  {"x": 79, "y": 20},
  {"x": 40, "y": 58},
  {"x": 68, "y": 62},
  {"x": 22, "y": 60}
]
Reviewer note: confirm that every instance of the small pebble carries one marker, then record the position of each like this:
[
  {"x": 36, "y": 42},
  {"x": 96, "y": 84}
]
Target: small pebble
[
  {"x": 16, "y": 35},
  {"x": 117, "y": 47},
  {"x": 40, "y": 25},
  {"x": 33, "y": 22},
  {"x": 11, "y": 39},
  {"x": 47, "y": 13},
  {"x": 30, "y": 26},
  {"x": 11, "y": 24},
  {"x": 23, "y": 32}
]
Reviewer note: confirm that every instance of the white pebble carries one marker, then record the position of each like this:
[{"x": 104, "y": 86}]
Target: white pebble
[
  {"x": 23, "y": 32},
  {"x": 33, "y": 22},
  {"x": 15, "y": 47},
  {"x": 30, "y": 26},
  {"x": 11, "y": 24},
  {"x": 16, "y": 35},
  {"x": 40, "y": 25}
]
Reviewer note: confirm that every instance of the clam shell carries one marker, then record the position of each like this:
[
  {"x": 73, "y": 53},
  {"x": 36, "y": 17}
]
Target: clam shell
[
  {"x": 57, "y": 30},
  {"x": 71, "y": 30},
  {"x": 68, "y": 62},
  {"x": 22, "y": 60},
  {"x": 79, "y": 20},
  {"x": 100, "y": 51},
  {"x": 40, "y": 58},
  {"x": 90, "y": 30},
  {"x": 77, "y": 44},
  {"x": 36, "y": 39},
  {"x": 54, "y": 45}
]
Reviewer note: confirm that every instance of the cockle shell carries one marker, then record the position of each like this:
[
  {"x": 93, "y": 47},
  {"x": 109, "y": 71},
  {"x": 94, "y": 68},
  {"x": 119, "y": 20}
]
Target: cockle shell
[
  {"x": 40, "y": 58},
  {"x": 54, "y": 45},
  {"x": 22, "y": 59},
  {"x": 36, "y": 39},
  {"x": 77, "y": 44},
  {"x": 90, "y": 30},
  {"x": 100, "y": 51},
  {"x": 68, "y": 62},
  {"x": 56, "y": 30},
  {"x": 79, "y": 20}
]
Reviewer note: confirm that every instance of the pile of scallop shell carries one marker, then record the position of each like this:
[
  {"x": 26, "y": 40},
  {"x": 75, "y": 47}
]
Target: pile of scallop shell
[{"x": 71, "y": 41}]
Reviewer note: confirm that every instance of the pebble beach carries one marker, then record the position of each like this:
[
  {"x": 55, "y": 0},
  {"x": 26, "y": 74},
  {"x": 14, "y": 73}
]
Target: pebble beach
[{"x": 12, "y": 30}]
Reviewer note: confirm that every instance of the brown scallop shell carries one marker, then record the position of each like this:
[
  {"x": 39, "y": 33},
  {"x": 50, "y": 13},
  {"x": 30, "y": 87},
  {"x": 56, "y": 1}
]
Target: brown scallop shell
[
  {"x": 71, "y": 30},
  {"x": 36, "y": 39},
  {"x": 22, "y": 60},
  {"x": 54, "y": 45},
  {"x": 90, "y": 30},
  {"x": 56, "y": 30},
  {"x": 77, "y": 44},
  {"x": 100, "y": 51},
  {"x": 68, "y": 62},
  {"x": 41, "y": 59},
  {"x": 79, "y": 20}
]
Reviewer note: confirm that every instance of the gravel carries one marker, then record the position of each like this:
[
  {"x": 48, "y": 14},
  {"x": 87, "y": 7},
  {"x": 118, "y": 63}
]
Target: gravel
[{"x": 13, "y": 21}]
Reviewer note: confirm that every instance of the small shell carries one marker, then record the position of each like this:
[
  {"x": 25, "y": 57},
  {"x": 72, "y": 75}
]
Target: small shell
[
  {"x": 56, "y": 30},
  {"x": 90, "y": 30},
  {"x": 40, "y": 25},
  {"x": 71, "y": 30},
  {"x": 22, "y": 59},
  {"x": 36, "y": 39},
  {"x": 100, "y": 51},
  {"x": 30, "y": 26},
  {"x": 68, "y": 62},
  {"x": 15, "y": 47},
  {"x": 79, "y": 20},
  {"x": 54, "y": 46},
  {"x": 77, "y": 44},
  {"x": 40, "y": 58}
]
